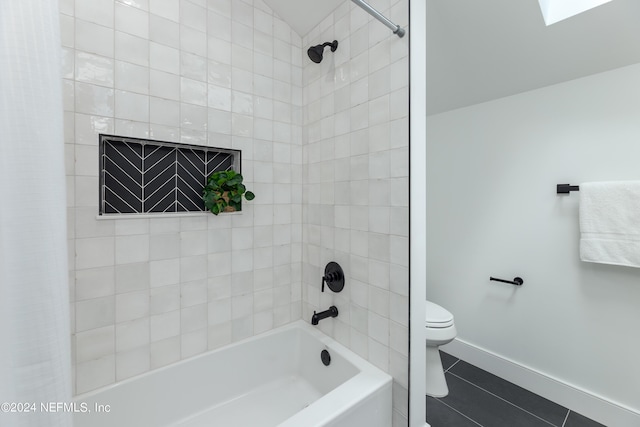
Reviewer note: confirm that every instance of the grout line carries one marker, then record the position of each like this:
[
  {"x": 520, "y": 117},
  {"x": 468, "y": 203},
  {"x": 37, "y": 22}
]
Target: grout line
[
  {"x": 566, "y": 417},
  {"x": 452, "y": 365},
  {"x": 455, "y": 410},
  {"x": 495, "y": 395}
]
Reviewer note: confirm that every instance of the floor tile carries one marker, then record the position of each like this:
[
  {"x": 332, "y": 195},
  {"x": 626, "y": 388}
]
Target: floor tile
[
  {"x": 447, "y": 360},
  {"x": 531, "y": 402},
  {"x": 440, "y": 415},
  {"x": 576, "y": 420},
  {"x": 486, "y": 409}
]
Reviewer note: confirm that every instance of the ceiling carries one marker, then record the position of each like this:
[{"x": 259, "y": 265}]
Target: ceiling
[
  {"x": 303, "y": 15},
  {"x": 479, "y": 50}
]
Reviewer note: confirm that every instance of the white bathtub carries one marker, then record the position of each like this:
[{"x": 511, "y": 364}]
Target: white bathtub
[{"x": 273, "y": 379}]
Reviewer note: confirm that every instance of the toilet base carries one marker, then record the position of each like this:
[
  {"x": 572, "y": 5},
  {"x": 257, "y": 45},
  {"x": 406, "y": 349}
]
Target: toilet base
[{"x": 434, "y": 379}]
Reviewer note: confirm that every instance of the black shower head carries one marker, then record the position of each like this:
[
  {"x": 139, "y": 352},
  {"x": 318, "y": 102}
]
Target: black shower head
[{"x": 315, "y": 52}]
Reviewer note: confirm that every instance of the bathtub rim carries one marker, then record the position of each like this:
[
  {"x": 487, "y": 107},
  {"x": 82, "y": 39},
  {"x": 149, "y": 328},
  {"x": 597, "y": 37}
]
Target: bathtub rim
[{"x": 364, "y": 367}]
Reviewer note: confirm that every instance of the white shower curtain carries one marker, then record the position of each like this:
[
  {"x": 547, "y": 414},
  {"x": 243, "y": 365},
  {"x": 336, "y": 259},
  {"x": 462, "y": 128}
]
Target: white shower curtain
[{"x": 34, "y": 296}]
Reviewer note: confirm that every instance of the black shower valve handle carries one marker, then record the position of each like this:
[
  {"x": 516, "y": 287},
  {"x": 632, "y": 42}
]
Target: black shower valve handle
[
  {"x": 330, "y": 278},
  {"x": 333, "y": 277}
]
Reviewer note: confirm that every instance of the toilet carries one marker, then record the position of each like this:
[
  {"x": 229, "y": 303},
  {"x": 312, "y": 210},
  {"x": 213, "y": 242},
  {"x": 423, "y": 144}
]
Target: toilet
[{"x": 439, "y": 330}]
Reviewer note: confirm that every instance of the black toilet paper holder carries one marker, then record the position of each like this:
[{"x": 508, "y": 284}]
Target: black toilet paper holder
[{"x": 517, "y": 281}]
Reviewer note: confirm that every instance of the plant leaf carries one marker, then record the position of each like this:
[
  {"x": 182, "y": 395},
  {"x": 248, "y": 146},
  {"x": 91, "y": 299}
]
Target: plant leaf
[{"x": 220, "y": 182}]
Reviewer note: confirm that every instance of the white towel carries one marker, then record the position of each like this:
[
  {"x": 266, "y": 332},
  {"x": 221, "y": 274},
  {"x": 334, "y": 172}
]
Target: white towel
[{"x": 610, "y": 222}]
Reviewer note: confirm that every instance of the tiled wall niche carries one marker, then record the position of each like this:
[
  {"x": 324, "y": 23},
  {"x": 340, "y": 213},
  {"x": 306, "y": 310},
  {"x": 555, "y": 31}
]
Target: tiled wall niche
[
  {"x": 141, "y": 176},
  {"x": 149, "y": 292}
]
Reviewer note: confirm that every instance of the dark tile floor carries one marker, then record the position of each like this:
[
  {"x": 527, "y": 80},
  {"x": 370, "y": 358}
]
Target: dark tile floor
[{"x": 478, "y": 398}]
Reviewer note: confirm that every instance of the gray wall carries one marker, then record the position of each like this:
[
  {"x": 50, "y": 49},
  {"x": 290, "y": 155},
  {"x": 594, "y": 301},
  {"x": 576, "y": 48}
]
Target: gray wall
[{"x": 492, "y": 210}]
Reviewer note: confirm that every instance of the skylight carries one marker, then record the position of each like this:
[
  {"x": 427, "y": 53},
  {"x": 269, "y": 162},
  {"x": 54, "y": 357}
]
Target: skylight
[{"x": 557, "y": 10}]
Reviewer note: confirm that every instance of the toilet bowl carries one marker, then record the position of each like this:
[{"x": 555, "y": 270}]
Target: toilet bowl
[{"x": 439, "y": 330}]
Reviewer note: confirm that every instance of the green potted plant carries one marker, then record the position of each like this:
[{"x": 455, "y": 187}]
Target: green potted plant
[{"x": 224, "y": 191}]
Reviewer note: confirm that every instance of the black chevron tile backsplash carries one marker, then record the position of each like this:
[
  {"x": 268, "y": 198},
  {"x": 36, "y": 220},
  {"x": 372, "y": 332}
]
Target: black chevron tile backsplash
[{"x": 145, "y": 176}]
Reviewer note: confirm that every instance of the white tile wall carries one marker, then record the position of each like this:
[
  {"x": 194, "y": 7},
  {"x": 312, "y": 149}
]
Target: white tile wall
[
  {"x": 356, "y": 186},
  {"x": 149, "y": 292},
  {"x": 324, "y": 148}
]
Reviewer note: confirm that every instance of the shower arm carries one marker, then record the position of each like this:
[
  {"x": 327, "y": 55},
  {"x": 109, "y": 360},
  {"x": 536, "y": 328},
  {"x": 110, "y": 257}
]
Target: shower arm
[{"x": 380, "y": 17}]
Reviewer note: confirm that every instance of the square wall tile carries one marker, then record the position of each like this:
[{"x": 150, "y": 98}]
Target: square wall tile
[
  {"x": 101, "y": 13},
  {"x": 95, "y": 69},
  {"x": 165, "y": 325},
  {"x": 94, "y": 252},
  {"x": 94, "y": 313},
  {"x": 133, "y": 334},
  {"x": 132, "y": 20},
  {"x": 164, "y": 272},
  {"x": 131, "y": 48},
  {"x": 169, "y": 9},
  {"x": 96, "y": 373},
  {"x": 131, "y": 77},
  {"x": 94, "y": 38},
  {"x": 131, "y": 106},
  {"x": 164, "y": 31},
  {"x": 132, "y": 249},
  {"x": 132, "y": 362},
  {"x": 95, "y": 343},
  {"x": 94, "y": 283},
  {"x": 132, "y": 305},
  {"x": 165, "y": 352}
]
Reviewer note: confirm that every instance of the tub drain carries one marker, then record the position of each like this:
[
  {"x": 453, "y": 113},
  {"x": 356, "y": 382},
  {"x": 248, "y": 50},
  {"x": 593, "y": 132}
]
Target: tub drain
[{"x": 325, "y": 357}]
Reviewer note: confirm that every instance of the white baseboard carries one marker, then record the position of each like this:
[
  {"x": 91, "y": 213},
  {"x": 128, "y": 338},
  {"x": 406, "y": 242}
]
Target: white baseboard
[{"x": 579, "y": 400}]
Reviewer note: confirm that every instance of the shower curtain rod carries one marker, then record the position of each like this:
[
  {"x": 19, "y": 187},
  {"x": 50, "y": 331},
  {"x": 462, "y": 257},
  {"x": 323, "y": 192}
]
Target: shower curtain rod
[{"x": 380, "y": 17}]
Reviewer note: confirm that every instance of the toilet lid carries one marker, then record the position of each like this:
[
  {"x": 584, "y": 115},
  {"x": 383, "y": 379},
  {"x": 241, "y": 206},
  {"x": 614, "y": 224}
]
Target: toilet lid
[{"x": 437, "y": 317}]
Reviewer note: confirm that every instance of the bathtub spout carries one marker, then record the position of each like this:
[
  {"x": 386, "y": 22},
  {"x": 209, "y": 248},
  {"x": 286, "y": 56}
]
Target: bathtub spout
[{"x": 317, "y": 317}]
